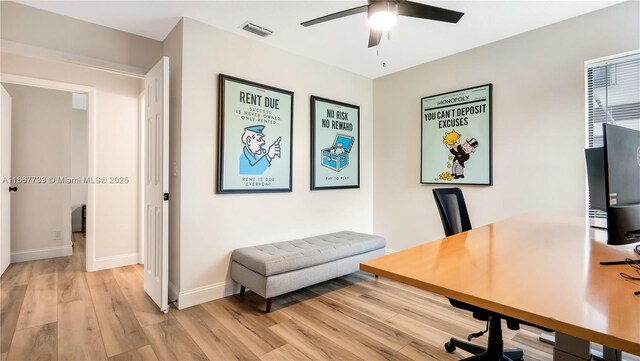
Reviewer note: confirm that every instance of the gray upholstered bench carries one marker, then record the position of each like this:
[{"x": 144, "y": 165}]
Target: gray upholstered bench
[{"x": 271, "y": 270}]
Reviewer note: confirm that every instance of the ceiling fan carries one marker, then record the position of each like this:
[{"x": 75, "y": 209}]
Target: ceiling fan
[{"x": 383, "y": 14}]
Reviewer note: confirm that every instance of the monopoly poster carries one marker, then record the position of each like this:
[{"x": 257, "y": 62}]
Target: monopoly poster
[
  {"x": 456, "y": 137},
  {"x": 335, "y": 144},
  {"x": 255, "y": 131}
]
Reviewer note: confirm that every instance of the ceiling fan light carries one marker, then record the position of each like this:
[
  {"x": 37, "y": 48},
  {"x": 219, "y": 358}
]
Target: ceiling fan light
[{"x": 383, "y": 20}]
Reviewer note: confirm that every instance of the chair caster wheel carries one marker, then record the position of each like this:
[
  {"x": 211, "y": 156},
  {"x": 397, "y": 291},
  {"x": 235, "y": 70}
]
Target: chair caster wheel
[{"x": 449, "y": 347}]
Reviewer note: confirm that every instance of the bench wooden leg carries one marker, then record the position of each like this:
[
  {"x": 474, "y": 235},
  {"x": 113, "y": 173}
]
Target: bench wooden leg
[
  {"x": 242, "y": 289},
  {"x": 268, "y": 305}
]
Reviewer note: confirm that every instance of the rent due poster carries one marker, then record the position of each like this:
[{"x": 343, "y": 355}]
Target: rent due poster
[
  {"x": 335, "y": 144},
  {"x": 456, "y": 137},
  {"x": 255, "y": 130}
]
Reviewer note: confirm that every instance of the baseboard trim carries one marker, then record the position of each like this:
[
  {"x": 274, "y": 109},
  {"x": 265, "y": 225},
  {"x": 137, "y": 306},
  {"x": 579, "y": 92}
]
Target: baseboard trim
[
  {"x": 206, "y": 293},
  {"x": 115, "y": 261},
  {"x": 196, "y": 296},
  {"x": 41, "y": 253},
  {"x": 210, "y": 292}
]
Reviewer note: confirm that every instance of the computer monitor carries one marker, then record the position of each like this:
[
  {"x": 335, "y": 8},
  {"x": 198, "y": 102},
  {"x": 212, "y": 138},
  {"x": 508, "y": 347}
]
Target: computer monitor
[
  {"x": 617, "y": 166},
  {"x": 595, "y": 177}
]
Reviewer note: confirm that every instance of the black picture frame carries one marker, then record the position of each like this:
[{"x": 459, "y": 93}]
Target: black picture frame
[
  {"x": 335, "y": 144},
  {"x": 468, "y": 112},
  {"x": 245, "y": 110}
]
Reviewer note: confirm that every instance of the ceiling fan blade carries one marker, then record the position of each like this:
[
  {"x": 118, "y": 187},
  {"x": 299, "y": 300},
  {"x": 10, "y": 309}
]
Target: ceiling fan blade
[
  {"x": 374, "y": 37},
  {"x": 423, "y": 11},
  {"x": 339, "y": 14}
]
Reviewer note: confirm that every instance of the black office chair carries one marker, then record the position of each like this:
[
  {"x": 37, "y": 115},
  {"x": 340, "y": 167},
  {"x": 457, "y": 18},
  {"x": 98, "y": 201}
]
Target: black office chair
[{"x": 455, "y": 219}]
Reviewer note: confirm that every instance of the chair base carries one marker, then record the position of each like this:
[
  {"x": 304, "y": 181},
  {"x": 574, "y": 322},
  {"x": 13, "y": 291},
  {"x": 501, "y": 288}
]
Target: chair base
[{"x": 493, "y": 352}]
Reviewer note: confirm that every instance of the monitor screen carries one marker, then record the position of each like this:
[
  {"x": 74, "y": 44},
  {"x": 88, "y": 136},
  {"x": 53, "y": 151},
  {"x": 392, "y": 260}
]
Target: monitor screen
[
  {"x": 622, "y": 183},
  {"x": 622, "y": 166},
  {"x": 595, "y": 178}
]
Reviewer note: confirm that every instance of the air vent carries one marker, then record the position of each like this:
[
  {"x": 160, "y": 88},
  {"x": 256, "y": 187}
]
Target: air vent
[{"x": 258, "y": 30}]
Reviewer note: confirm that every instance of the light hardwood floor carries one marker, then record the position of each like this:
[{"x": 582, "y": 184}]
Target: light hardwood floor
[{"x": 53, "y": 310}]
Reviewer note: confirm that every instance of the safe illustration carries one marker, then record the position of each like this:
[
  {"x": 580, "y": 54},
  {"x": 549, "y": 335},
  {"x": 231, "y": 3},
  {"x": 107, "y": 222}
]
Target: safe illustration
[{"x": 336, "y": 157}]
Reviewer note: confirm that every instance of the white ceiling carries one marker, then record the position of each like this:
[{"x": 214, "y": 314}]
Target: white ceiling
[{"x": 341, "y": 42}]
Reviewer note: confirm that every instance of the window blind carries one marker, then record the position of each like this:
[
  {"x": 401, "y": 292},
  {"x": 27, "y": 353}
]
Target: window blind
[{"x": 613, "y": 96}]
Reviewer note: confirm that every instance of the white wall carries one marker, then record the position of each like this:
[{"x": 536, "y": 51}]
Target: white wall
[
  {"x": 58, "y": 34},
  {"x": 79, "y": 153},
  {"x": 40, "y": 134},
  {"x": 212, "y": 225},
  {"x": 538, "y": 124}
]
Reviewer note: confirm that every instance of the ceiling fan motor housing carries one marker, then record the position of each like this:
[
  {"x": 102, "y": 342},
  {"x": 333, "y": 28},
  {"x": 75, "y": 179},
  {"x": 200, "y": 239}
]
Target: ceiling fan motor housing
[
  {"x": 377, "y": 6},
  {"x": 382, "y": 15}
]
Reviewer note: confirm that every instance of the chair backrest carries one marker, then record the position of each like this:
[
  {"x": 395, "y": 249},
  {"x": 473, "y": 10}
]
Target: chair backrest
[{"x": 453, "y": 210}]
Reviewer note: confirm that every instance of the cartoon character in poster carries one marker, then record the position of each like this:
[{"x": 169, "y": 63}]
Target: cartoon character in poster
[
  {"x": 450, "y": 140},
  {"x": 460, "y": 154},
  {"x": 255, "y": 159}
]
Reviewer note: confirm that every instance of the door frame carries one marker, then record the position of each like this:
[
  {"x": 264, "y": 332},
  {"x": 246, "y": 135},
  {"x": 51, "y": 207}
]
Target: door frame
[
  {"x": 5, "y": 197},
  {"x": 91, "y": 142},
  {"x": 141, "y": 145}
]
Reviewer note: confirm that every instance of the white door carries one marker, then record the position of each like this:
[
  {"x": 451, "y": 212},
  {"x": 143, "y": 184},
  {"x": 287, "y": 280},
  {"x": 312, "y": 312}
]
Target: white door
[
  {"x": 5, "y": 175},
  {"x": 156, "y": 184}
]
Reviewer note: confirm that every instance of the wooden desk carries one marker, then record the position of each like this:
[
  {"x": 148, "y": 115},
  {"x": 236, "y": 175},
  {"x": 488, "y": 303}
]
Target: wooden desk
[{"x": 539, "y": 269}]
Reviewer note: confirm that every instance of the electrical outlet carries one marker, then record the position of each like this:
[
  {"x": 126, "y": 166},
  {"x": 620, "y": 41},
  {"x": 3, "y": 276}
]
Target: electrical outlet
[{"x": 57, "y": 235}]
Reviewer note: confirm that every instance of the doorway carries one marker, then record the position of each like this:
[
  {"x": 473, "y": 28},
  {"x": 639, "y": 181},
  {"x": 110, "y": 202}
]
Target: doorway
[
  {"x": 57, "y": 181},
  {"x": 115, "y": 155},
  {"x": 48, "y": 167}
]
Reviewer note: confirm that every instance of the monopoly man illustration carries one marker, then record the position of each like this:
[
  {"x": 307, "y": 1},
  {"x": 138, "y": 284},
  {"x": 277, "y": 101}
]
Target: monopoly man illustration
[{"x": 254, "y": 158}]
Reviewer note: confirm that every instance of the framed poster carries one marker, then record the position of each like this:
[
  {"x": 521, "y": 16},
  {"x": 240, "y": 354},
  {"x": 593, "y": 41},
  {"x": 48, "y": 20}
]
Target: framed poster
[
  {"x": 335, "y": 144},
  {"x": 254, "y": 137},
  {"x": 456, "y": 137}
]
